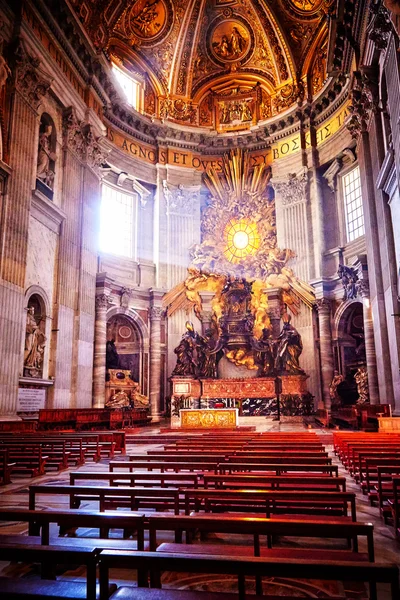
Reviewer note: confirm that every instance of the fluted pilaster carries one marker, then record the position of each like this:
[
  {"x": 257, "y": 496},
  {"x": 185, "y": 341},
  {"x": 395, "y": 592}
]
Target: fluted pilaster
[
  {"x": 100, "y": 341},
  {"x": 326, "y": 351},
  {"x": 156, "y": 314}
]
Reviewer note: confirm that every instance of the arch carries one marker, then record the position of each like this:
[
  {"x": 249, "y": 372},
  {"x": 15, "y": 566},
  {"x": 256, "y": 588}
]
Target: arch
[
  {"x": 136, "y": 318},
  {"x": 340, "y": 316},
  {"x": 134, "y": 356}
]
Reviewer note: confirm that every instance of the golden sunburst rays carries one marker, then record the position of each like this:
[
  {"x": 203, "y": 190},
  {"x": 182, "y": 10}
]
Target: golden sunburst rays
[
  {"x": 241, "y": 238},
  {"x": 237, "y": 178}
]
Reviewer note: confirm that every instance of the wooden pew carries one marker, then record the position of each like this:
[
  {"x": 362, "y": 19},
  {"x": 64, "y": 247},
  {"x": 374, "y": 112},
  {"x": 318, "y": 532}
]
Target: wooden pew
[
  {"x": 70, "y": 446},
  {"x": 156, "y": 562},
  {"x": 27, "y": 460},
  {"x": 270, "y": 528},
  {"x": 271, "y": 502},
  {"x": 279, "y": 458},
  {"x": 384, "y": 488},
  {"x": 142, "y": 479},
  {"x": 278, "y": 468},
  {"x": 40, "y": 520},
  {"x": 155, "y": 456},
  {"x": 162, "y": 466},
  {"x": 5, "y": 467},
  {"x": 275, "y": 482},
  {"x": 108, "y": 496},
  {"x": 395, "y": 505},
  {"x": 49, "y": 557},
  {"x": 371, "y": 474}
]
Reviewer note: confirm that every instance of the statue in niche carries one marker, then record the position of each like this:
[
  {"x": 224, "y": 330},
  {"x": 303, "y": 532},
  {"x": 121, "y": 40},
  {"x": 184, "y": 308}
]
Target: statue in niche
[
  {"x": 118, "y": 400},
  {"x": 361, "y": 379},
  {"x": 186, "y": 364},
  {"x": 288, "y": 350},
  {"x": 333, "y": 389},
  {"x": 46, "y": 156},
  {"x": 112, "y": 357},
  {"x": 349, "y": 281},
  {"x": 265, "y": 348},
  {"x": 34, "y": 343}
]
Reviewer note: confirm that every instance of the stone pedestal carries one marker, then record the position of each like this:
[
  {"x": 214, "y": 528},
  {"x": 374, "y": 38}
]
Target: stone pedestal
[
  {"x": 295, "y": 385},
  {"x": 185, "y": 393}
]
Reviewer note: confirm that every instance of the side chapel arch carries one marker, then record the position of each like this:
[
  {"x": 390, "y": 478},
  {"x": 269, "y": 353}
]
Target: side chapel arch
[
  {"x": 131, "y": 336},
  {"x": 349, "y": 339}
]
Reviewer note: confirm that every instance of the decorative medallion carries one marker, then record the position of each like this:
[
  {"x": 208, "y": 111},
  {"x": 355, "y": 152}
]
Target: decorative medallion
[
  {"x": 148, "y": 20},
  {"x": 230, "y": 41},
  {"x": 305, "y": 6},
  {"x": 125, "y": 331}
]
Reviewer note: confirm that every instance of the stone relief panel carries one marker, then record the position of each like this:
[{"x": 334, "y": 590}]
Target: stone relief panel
[{"x": 42, "y": 250}]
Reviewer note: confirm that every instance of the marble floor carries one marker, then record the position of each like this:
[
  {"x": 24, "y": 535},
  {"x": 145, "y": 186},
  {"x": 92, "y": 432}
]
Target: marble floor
[{"x": 387, "y": 548}]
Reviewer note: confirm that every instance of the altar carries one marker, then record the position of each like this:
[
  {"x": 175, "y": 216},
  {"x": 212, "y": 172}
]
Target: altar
[{"x": 217, "y": 418}]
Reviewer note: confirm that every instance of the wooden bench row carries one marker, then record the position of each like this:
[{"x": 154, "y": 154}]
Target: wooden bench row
[
  {"x": 149, "y": 565},
  {"x": 269, "y": 502},
  {"x": 268, "y": 468},
  {"x": 150, "y": 479}
]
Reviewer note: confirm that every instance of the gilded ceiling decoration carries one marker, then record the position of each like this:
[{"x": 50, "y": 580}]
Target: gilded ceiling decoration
[{"x": 223, "y": 64}]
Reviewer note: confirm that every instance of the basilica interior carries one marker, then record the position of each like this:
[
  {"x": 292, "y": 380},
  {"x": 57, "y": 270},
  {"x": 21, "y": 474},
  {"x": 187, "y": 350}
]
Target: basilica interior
[{"x": 200, "y": 264}]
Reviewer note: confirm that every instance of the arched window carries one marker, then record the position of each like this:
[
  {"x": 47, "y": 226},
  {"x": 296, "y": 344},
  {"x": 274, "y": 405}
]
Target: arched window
[
  {"x": 132, "y": 85},
  {"x": 46, "y": 158},
  {"x": 353, "y": 204},
  {"x": 118, "y": 222}
]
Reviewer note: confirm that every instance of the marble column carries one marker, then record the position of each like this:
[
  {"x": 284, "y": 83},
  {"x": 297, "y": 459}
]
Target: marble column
[
  {"x": 156, "y": 313},
  {"x": 370, "y": 354},
  {"x": 325, "y": 345},
  {"x": 100, "y": 341},
  {"x": 274, "y": 296},
  {"x": 207, "y": 311}
]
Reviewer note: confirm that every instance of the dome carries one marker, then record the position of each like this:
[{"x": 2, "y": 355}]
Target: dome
[{"x": 225, "y": 65}]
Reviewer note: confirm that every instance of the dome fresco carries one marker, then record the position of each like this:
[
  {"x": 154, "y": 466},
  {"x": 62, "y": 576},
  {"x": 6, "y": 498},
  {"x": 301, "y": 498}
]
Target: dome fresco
[{"x": 264, "y": 56}]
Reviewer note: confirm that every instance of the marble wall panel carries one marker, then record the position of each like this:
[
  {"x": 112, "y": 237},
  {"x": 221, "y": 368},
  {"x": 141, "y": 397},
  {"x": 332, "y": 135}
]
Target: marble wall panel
[{"x": 41, "y": 256}]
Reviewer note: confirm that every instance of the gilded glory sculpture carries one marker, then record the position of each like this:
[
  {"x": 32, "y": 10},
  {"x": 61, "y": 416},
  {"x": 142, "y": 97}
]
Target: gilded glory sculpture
[{"x": 288, "y": 349}]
